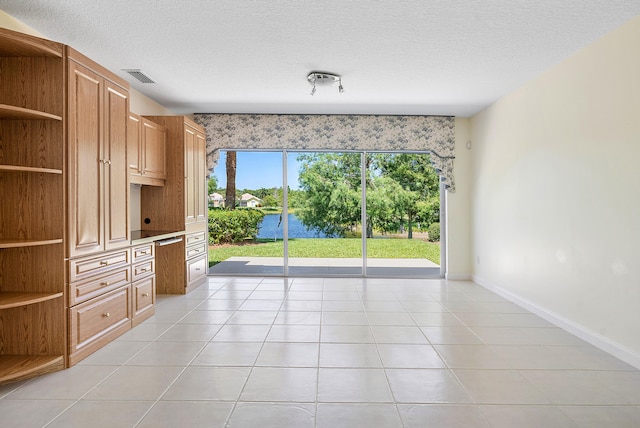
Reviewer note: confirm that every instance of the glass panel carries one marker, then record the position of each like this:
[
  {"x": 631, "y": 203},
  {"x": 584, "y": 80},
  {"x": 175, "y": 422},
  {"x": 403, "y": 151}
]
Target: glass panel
[
  {"x": 247, "y": 239},
  {"x": 403, "y": 211},
  {"x": 324, "y": 220}
]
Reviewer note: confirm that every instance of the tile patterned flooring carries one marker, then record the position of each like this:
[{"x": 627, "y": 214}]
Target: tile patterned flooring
[{"x": 314, "y": 352}]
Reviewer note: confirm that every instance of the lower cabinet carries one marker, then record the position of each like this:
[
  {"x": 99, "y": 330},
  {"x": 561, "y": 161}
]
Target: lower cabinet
[
  {"x": 196, "y": 259},
  {"x": 98, "y": 321},
  {"x": 144, "y": 299},
  {"x": 108, "y": 294}
]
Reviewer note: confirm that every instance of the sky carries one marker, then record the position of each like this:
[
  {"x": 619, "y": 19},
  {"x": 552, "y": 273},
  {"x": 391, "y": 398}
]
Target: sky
[{"x": 258, "y": 169}]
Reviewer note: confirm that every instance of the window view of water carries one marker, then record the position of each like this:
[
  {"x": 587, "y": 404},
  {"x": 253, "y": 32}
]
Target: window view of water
[{"x": 272, "y": 227}]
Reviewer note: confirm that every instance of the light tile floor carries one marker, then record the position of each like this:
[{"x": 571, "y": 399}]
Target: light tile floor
[{"x": 313, "y": 352}]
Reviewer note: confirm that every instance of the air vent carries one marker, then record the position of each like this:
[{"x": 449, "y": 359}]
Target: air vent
[{"x": 139, "y": 75}]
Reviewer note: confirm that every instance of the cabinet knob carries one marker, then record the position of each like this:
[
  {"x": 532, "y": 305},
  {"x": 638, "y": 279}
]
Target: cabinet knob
[
  {"x": 145, "y": 294},
  {"x": 106, "y": 315}
]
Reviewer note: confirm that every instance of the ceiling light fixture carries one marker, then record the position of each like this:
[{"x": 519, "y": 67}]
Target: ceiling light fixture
[{"x": 321, "y": 78}]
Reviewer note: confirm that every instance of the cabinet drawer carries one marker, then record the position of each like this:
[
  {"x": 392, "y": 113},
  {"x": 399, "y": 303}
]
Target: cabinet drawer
[
  {"x": 97, "y": 320},
  {"x": 143, "y": 269},
  {"x": 195, "y": 238},
  {"x": 85, "y": 290},
  {"x": 143, "y": 252},
  {"x": 196, "y": 268},
  {"x": 196, "y": 250},
  {"x": 144, "y": 295},
  {"x": 95, "y": 265}
]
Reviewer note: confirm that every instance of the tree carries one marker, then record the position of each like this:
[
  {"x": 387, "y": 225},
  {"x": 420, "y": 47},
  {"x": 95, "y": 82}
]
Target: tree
[
  {"x": 231, "y": 180},
  {"x": 401, "y": 189},
  {"x": 414, "y": 173},
  {"x": 331, "y": 182},
  {"x": 212, "y": 184}
]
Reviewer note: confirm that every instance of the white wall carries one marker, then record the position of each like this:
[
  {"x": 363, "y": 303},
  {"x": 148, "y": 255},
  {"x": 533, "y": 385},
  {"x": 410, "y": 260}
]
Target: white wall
[{"x": 556, "y": 193}]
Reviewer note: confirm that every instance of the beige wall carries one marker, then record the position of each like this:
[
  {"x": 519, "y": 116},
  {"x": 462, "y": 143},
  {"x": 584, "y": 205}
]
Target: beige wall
[
  {"x": 458, "y": 207},
  {"x": 9, "y": 22},
  {"x": 556, "y": 193},
  {"x": 143, "y": 105}
]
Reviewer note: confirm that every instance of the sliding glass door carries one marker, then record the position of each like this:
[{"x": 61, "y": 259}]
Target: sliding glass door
[
  {"x": 324, "y": 221},
  {"x": 402, "y": 215},
  {"x": 325, "y": 214}
]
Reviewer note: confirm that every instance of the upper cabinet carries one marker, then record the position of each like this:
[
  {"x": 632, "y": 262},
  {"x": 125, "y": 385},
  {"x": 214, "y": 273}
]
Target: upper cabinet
[
  {"x": 32, "y": 215},
  {"x": 146, "y": 151},
  {"x": 98, "y": 179},
  {"x": 195, "y": 164},
  {"x": 182, "y": 201}
]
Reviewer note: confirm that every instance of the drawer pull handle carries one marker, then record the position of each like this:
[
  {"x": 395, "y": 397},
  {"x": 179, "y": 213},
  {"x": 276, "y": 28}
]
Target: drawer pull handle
[
  {"x": 197, "y": 268},
  {"x": 145, "y": 294},
  {"x": 143, "y": 270},
  {"x": 104, "y": 284},
  {"x": 143, "y": 253},
  {"x": 104, "y": 262},
  {"x": 106, "y": 315}
]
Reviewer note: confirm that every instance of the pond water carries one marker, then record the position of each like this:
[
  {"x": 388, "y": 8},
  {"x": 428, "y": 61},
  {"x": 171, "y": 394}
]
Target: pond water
[{"x": 272, "y": 226}]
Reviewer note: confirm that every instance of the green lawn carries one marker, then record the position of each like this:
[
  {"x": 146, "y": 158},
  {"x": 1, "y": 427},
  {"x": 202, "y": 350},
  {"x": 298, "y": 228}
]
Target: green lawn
[{"x": 330, "y": 248}]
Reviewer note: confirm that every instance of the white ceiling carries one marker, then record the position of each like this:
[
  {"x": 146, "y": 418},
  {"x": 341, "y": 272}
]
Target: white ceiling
[{"x": 442, "y": 57}]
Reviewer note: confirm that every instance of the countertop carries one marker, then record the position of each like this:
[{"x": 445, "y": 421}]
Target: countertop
[{"x": 146, "y": 236}]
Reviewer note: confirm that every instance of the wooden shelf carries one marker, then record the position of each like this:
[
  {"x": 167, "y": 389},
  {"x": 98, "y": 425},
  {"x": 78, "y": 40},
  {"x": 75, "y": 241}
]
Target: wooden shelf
[
  {"x": 16, "y": 367},
  {"x": 19, "y": 113},
  {"x": 16, "y": 299},
  {"x": 14, "y": 168},
  {"x": 17, "y": 243},
  {"x": 18, "y": 44}
]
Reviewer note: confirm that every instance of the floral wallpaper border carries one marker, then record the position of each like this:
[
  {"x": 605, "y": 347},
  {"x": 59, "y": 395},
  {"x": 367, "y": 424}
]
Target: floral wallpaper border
[{"x": 435, "y": 134}]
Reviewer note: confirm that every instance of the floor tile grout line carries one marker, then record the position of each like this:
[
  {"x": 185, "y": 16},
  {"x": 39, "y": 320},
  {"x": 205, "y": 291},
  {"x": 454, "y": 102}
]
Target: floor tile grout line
[{"x": 235, "y": 404}]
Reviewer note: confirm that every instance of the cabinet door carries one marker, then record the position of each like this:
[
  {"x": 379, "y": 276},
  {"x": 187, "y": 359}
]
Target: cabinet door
[
  {"x": 134, "y": 152},
  {"x": 189, "y": 169},
  {"x": 154, "y": 139},
  {"x": 85, "y": 137},
  {"x": 200, "y": 177},
  {"x": 116, "y": 169}
]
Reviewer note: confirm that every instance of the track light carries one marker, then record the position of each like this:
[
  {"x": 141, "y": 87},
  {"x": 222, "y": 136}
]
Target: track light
[{"x": 321, "y": 78}]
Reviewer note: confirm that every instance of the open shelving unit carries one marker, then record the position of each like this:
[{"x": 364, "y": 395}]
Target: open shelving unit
[{"x": 32, "y": 215}]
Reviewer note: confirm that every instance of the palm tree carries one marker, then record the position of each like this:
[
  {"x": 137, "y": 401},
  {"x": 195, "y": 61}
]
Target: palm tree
[{"x": 231, "y": 180}]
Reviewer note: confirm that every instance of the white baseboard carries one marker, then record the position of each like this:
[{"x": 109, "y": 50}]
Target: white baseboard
[
  {"x": 596, "y": 339},
  {"x": 458, "y": 276}
]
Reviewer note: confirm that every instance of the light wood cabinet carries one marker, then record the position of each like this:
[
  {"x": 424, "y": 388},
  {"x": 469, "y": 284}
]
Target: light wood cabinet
[
  {"x": 143, "y": 288},
  {"x": 95, "y": 323},
  {"x": 98, "y": 181},
  {"x": 179, "y": 205},
  {"x": 32, "y": 216},
  {"x": 146, "y": 151}
]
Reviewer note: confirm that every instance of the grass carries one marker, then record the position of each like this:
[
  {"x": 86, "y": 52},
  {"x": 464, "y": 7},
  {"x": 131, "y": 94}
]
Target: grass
[{"x": 330, "y": 248}]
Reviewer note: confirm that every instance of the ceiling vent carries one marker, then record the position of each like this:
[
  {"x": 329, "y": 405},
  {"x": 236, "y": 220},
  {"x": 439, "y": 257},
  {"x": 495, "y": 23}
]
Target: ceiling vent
[{"x": 139, "y": 75}]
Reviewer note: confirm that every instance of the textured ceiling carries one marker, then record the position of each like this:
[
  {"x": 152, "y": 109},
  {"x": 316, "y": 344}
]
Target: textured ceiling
[{"x": 443, "y": 57}]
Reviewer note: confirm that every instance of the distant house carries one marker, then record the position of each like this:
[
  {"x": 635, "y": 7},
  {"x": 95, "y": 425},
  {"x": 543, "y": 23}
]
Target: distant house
[
  {"x": 250, "y": 201},
  {"x": 216, "y": 200}
]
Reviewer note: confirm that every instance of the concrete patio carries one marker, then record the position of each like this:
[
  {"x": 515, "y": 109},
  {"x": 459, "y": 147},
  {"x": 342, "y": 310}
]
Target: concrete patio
[{"x": 413, "y": 268}]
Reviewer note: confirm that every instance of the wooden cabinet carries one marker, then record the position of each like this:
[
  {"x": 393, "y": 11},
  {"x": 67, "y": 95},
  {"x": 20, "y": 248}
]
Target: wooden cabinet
[
  {"x": 143, "y": 288},
  {"x": 32, "y": 217},
  {"x": 98, "y": 321},
  {"x": 180, "y": 204},
  {"x": 146, "y": 151},
  {"x": 98, "y": 182},
  {"x": 195, "y": 167}
]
